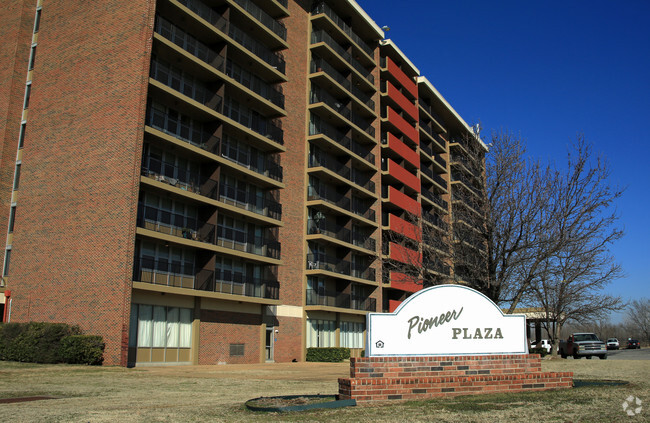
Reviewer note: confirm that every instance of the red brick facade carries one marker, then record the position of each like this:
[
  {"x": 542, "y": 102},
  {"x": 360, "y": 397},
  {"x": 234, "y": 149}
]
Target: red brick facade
[
  {"x": 219, "y": 329},
  {"x": 76, "y": 207},
  {"x": 407, "y": 378}
]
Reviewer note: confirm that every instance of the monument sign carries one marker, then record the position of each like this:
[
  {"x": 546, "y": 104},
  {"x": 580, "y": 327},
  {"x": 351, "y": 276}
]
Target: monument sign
[{"x": 446, "y": 320}]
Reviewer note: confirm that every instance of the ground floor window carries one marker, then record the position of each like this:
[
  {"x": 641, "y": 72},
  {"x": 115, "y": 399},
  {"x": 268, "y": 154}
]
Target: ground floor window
[
  {"x": 160, "y": 327},
  {"x": 321, "y": 333},
  {"x": 351, "y": 334}
]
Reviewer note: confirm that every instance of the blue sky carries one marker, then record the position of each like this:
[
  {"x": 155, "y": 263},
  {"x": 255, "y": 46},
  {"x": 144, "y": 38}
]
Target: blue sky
[{"x": 549, "y": 71}]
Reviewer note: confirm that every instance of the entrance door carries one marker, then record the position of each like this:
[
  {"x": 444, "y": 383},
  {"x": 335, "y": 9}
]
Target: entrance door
[{"x": 270, "y": 340}]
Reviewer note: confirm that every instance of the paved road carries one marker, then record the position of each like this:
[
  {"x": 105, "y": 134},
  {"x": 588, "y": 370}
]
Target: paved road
[{"x": 642, "y": 354}]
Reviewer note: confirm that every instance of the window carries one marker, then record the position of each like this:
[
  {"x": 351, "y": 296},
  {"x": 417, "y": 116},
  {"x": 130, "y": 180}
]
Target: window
[
  {"x": 21, "y": 135},
  {"x": 160, "y": 327},
  {"x": 28, "y": 93},
  {"x": 321, "y": 333},
  {"x": 237, "y": 350},
  {"x": 37, "y": 20},
  {"x": 351, "y": 335},
  {"x": 32, "y": 57},
  {"x": 5, "y": 271},
  {"x": 17, "y": 177},
  {"x": 12, "y": 217}
]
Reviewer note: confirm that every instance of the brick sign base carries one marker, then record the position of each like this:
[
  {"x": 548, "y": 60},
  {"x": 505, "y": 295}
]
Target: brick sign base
[{"x": 408, "y": 378}]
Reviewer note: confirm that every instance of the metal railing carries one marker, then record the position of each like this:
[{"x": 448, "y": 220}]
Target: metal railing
[
  {"x": 322, "y": 36},
  {"x": 249, "y": 43},
  {"x": 319, "y": 64},
  {"x": 255, "y": 83},
  {"x": 227, "y": 282},
  {"x": 318, "y": 95},
  {"x": 181, "y": 127},
  {"x": 249, "y": 201},
  {"x": 267, "y": 20},
  {"x": 247, "y": 242},
  {"x": 337, "y": 299},
  {"x": 329, "y": 194},
  {"x": 321, "y": 127},
  {"x": 174, "y": 224},
  {"x": 246, "y": 156},
  {"x": 253, "y": 120},
  {"x": 164, "y": 272},
  {"x": 324, "y": 8}
]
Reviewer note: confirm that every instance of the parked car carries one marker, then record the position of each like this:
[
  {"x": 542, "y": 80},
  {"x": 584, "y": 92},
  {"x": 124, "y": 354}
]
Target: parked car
[
  {"x": 581, "y": 345},
  {"x": 633, "y": 344},
  {"x": 613, "y": 344}
]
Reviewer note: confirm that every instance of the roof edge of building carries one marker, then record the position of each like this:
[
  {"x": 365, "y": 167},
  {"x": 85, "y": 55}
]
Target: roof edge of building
[{"x": 390, "y": 43}]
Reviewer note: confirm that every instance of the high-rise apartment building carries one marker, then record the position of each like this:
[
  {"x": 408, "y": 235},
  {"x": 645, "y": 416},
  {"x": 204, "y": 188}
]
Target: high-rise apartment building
[{"x": 209, "y": 181}]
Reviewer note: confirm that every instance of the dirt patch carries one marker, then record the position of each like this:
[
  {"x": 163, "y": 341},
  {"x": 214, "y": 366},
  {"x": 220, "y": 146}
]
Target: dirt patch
[{"x": 24, "y": 399}]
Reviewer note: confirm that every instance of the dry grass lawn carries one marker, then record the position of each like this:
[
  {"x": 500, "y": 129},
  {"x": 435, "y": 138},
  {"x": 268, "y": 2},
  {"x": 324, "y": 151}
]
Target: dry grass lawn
[{"x": 217, "y": 393}]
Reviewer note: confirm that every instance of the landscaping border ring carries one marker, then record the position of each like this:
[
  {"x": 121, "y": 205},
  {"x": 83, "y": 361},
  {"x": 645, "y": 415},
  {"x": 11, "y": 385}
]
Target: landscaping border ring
[{"x": 314, "y": 406}]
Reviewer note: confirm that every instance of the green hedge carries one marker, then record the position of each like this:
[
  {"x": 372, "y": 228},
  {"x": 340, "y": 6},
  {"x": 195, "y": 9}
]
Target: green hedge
[
  {"x": 38, "y": 342},
  {"x": 82, "y": 349},
  {"x": 332, "y": 355}
]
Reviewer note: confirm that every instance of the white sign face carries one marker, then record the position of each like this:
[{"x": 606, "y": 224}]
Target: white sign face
[{"x": 446, "y": 320}]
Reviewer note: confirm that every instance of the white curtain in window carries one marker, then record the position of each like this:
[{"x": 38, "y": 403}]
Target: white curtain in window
[
  {"x": 185, "y": 337},
  {"x": 172, "y": 327},
  {"x": 159, "y": 329},
  {"x": 145, "y": 325}
]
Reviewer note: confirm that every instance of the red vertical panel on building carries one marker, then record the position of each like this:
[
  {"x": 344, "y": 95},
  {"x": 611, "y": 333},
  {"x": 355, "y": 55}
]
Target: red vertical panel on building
[
  {"x": 403, "y": 150},
  {"x": 406, "y": 82},
  {"x": 408, "y": 106},
  {"x": 403, "y": 201},
  {"x": 403, "y": 175},
  {"x": 401, "y": 124},
  {"x": 405, "y": 228}
]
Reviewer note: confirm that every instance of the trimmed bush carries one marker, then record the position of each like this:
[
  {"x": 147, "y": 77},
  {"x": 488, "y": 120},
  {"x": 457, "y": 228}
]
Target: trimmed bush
[
  {"x": 541, "y": 351},
  {"x": 330, "y": 355},
  {"x": 38, "y": 342},
  {"x": 82, "y": 349}
]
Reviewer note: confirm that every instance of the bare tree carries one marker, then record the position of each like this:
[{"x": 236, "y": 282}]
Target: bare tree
[{"x": 638, "y": 317}]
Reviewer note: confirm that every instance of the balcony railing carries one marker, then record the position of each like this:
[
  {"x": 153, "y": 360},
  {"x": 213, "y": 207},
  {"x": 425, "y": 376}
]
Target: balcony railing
[
  {"x": 363, "y": 179},
  {"x": 460, "y": 177},
  {"x": 181, "y": 127},
  {"x": 189, "y": 43},
  {"x": 435, "y": 220},
  {"x": 329, "y": 194},
  {"x": 249, "y": 201},
  {"x": 322, "y": 36},
  {"x": 255, "y": 83},
  {"x": 320, "y": 95},
  {"x": 320, "y": 65},
  {"x": 250, "y": 157},
  {"x": 267, "y": 20},
  {"x": 253, "y": 120},
  {"x": 320, "y": 127},
  {"x": 324, "y": 8},
  {"x": 429, "y": 110},
  {"x": 437, "y": 266},
  {"x": 227, "y": 282},
  {"x": 163, "y": 272},
  {"x": 218, "y": 21},
  {"x": 340, "y": 233},
  {"x": 320, "y": 261},
  {"x": 319, "y": 158},
  {"x": 247, "y": 242},
  {"x": 336, "y": 299},
  {"x": 362, "y": 208},
  {"x": 435, "y": 198},
  {"x": 171, "y": 174},
  {"x": 174, "y": 224}
]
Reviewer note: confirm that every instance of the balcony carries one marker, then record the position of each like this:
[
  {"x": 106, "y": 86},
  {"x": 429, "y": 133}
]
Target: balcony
[
  {"x": 435, "y": 220},
  {"x": 397, "y": 173},
  {"x": 227, "y": 282},
  {"x": 251, "y": 158},
  {"x": 437, "y": 266},
  {"x": 400, "y": 99},
  {"x": 318, "y": 158},
  {"x": 401, "y": 149},
  {"x": 267, "y": 20},
  {"x": 181, "y": 127},
  {"x": 274, "y": 59},
  {"x": 435, "y": 198},
  {"x": 320, "y": 65},
  {"x": 162, "y": 272},
  {"x": 399, "y": 75},
  {"x": 400, "y": 124},
  {"x": 253, "y": 120},
  {"x": 332, "y": 264},
  {"x": 319, "y": 95},
  {"x": 167, "y": 222},
  {"x": 339, "y": 22},
  {"x": 431, "y": 113},
  {"x": 330, "y": 229},
  {"x": 326, "y": 298},
  {"x": 179, "y": 178},
  {"x": 439, "y": 142},
  {"x": 247, "y": 242},
  {"x": 255, "y": 83},
  {"x": 323, "y": 37},
  {"x": 328, "y": 194},
  {"x": 248, "y": 200},
  {"x": 318, "y": 126},
  {"x": 400, "y": 200}
]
